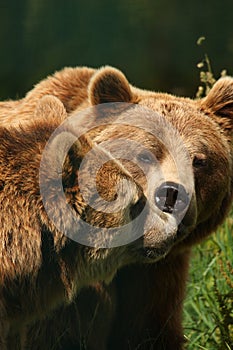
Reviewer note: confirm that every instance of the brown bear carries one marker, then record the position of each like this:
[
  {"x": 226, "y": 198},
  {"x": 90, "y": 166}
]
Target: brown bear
[{"x": 142, "y": 307}]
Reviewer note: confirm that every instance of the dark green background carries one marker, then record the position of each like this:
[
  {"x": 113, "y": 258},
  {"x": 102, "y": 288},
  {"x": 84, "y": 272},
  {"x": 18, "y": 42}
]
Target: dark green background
[{"x": 153, "y": 42}]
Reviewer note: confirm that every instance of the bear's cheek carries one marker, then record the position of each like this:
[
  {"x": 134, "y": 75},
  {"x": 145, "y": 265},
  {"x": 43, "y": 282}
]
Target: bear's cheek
[{"x": 210, "y": 193}]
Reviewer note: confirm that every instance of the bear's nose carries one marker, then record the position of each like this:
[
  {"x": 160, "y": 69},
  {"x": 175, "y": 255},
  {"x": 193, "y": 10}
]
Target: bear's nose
[{"x": 171, "y": 197}]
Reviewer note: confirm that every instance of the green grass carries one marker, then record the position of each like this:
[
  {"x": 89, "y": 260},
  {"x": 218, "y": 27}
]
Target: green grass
[{"x": 208, "y": 309}]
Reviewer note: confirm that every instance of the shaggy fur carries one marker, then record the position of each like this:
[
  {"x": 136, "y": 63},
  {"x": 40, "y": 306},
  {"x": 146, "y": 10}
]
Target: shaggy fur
[
  {"x": 40, "y": 268},
  {"x": 143, "y": 308}
]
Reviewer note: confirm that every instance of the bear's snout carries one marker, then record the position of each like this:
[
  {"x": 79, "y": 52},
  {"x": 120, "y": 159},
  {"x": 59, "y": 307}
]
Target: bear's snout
[{"x": 172, "y": 198}]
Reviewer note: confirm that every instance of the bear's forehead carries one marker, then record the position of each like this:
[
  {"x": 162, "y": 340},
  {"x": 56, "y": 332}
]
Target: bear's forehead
[
  {"x": 183, "y": 113},
  {"x": 133, "y": 138},
  {"x": 198, "y": 130},
  {"x": 168, "y": 105},
  {"x": 158, "y": 121}
]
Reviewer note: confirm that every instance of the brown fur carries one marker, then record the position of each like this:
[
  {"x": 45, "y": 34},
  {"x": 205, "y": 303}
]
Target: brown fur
[
  {"x": 40, "y": 268},
  {"x": 146, "y": 307}
]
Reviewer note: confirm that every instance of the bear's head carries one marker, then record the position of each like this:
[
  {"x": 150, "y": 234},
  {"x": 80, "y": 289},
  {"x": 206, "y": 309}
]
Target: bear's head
[{"x": 180, "y": 154}]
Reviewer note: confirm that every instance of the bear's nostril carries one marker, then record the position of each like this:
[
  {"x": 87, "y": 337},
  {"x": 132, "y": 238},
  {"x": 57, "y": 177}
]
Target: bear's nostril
[{"x": 171, "y": 197}]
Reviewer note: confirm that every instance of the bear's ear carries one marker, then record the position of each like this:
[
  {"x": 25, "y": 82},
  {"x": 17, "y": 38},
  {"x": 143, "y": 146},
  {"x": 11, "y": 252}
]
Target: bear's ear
[
  {"x": 109, "y": 85},
  {"x": 219, "y": 102},
  {"x": 48, "y": 106}
]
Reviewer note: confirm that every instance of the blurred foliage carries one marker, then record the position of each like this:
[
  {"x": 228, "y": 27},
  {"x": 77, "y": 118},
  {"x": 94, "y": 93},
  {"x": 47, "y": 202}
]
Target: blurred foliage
[
  {"x": 207, "y": 78},
  {"x": 153, "y": 42}
]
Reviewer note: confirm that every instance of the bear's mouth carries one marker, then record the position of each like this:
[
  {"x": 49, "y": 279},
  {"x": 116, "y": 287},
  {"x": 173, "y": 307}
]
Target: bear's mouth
[
  {"x": 150, "y": 252},
  {"x": 151, "y": 255}
]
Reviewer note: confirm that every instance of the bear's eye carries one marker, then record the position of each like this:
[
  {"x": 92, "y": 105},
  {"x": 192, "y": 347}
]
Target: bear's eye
[
  {"x": 200, "y": 161},
  {"x": 145, "y": 157}
]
